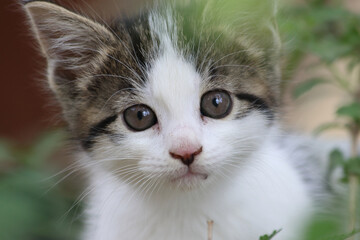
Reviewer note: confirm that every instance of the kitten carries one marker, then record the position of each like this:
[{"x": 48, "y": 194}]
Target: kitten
[{"x": 176, "y": 115}]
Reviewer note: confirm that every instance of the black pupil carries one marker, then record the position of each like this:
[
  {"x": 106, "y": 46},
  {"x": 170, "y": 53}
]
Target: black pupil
[{"x": 217, "y": 100}]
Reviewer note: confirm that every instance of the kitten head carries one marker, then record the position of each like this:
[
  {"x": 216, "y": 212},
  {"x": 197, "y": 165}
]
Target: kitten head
[{"x": 180, "y": 95}]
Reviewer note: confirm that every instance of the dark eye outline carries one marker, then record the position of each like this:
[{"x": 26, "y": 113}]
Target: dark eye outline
[
  {"x": 129, "y": 126},
  {"x": 228, "y": 111}
]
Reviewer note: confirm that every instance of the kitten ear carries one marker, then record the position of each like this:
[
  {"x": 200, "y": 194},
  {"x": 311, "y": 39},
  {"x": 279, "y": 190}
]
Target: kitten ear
[{"x": 69, "y": 41}]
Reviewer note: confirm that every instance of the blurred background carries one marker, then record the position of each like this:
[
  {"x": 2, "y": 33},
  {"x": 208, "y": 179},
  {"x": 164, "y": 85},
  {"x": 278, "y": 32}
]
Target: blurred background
[{"x": 321, "y": 47}]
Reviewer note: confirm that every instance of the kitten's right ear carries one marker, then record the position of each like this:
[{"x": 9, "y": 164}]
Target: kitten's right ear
[{"x": 69, "y": 41}]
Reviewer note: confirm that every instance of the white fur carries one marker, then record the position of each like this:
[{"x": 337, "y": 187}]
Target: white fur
[
  {"x": 251, "y": 188},
  {"x": 256, "y": 198}
]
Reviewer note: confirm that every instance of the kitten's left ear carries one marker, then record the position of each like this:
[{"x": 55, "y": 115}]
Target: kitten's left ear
[{"x": 69, "y": 41}]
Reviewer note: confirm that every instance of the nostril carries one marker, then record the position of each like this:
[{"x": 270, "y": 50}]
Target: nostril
[
  {"x": 186, "y": 157},
  {"x": 188, "y": 161},
  {"x": 175, "y": 156}
]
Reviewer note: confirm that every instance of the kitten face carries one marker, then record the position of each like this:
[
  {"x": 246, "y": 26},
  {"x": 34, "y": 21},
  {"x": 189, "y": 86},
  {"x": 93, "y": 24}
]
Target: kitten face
[
  {"x": 156, "y": 100},
  {"x": 173, "y": 90}
]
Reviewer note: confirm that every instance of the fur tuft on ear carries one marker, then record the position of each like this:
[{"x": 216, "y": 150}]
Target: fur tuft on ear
[{"x": 69, "y": 41}]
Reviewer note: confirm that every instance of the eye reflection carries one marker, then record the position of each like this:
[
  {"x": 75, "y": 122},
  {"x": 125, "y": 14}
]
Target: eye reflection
[
  {"x": 217, "y": 100},
  {"x": 142, "y": 114}
]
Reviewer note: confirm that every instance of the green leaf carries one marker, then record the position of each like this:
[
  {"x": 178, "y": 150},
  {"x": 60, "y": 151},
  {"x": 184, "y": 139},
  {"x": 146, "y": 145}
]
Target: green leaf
[
  {"x": 23, "y": 202},
  {"x": 345, "y": 236},
  {"x": 44, "y": 147},
  {"x": 351, "y": 110},
  {"x": 306, "y": 86},
  {"x": 321, "y": 47},
  {"x": 336, "y": 159},
  {"x": 324, "y": 228},
  {"x": 267, "y": 237},
  {"x": 353, "y": 166},
  {"x": 327, "y": 126},
  {"x": 5, "y": 151}
]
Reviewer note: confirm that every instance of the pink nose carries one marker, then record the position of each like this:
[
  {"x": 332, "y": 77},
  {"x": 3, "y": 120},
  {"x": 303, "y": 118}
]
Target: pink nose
[{"x": 187, "y": 156}]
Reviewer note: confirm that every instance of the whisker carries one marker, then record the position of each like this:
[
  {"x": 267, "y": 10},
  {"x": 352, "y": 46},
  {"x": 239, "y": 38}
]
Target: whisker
[
  {"x": 208, "y": 51},
  {"x": 228, "y": 55}
]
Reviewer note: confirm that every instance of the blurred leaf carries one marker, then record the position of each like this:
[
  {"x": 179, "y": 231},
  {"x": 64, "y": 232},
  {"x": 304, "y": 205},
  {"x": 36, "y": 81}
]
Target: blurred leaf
[
  {"x": 351, "y": 110},
  {"x": 23, "y": 202},
  {"x": 306, "y": 86},
  {"x": 326, "y": 29},
  {"x": 324, "y": 228},
  {"x": 5, "y": 151},
  {"x": 345, "y": 236},
  {"x": 353, "y": 166},
  {"x": 328, "y": 50},
  {"x": 267, "y": 237},
  {"x": 44, "y": 147},
  {"x": 336, "y": 159},
  {"x": 344, "y": 179},
  {"x": 327, "y": 126},
  {"x": 27, "y": 210}
]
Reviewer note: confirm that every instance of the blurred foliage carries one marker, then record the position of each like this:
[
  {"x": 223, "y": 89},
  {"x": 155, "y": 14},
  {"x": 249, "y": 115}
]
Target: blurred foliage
[
  {"x": 271, "y": 236},
  {"x": 323, "y": 28},
  {"x": 326, "y": 29},
  {"x": 29, "y": 210},
  {"x": 328, "y": 227}
]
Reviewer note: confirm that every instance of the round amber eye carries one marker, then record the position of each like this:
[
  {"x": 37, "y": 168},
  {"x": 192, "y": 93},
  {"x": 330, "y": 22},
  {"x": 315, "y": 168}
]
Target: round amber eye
[
  {"x": 139, "y": 117},
  {"x": 216, "y": 104}
]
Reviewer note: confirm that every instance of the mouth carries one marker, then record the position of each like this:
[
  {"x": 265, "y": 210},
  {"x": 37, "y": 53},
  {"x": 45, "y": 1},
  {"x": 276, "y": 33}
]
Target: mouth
[{"x": 190, "y": 176}]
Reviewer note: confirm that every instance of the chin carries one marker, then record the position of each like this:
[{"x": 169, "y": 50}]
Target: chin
[{"x": 188, "y": 179}]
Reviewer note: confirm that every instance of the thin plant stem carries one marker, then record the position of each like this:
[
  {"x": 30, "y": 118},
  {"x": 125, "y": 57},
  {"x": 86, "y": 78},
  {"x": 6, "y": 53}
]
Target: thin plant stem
[
  {"x": 354, "y": 183},
  {"x": 210, "y": 229},
  {"x": 342, "y": 83}
]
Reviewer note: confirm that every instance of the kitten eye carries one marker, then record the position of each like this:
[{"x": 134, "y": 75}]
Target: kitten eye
[
  {"x": 216, "y": 104},
  {"x": 139, "y": 117}
]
